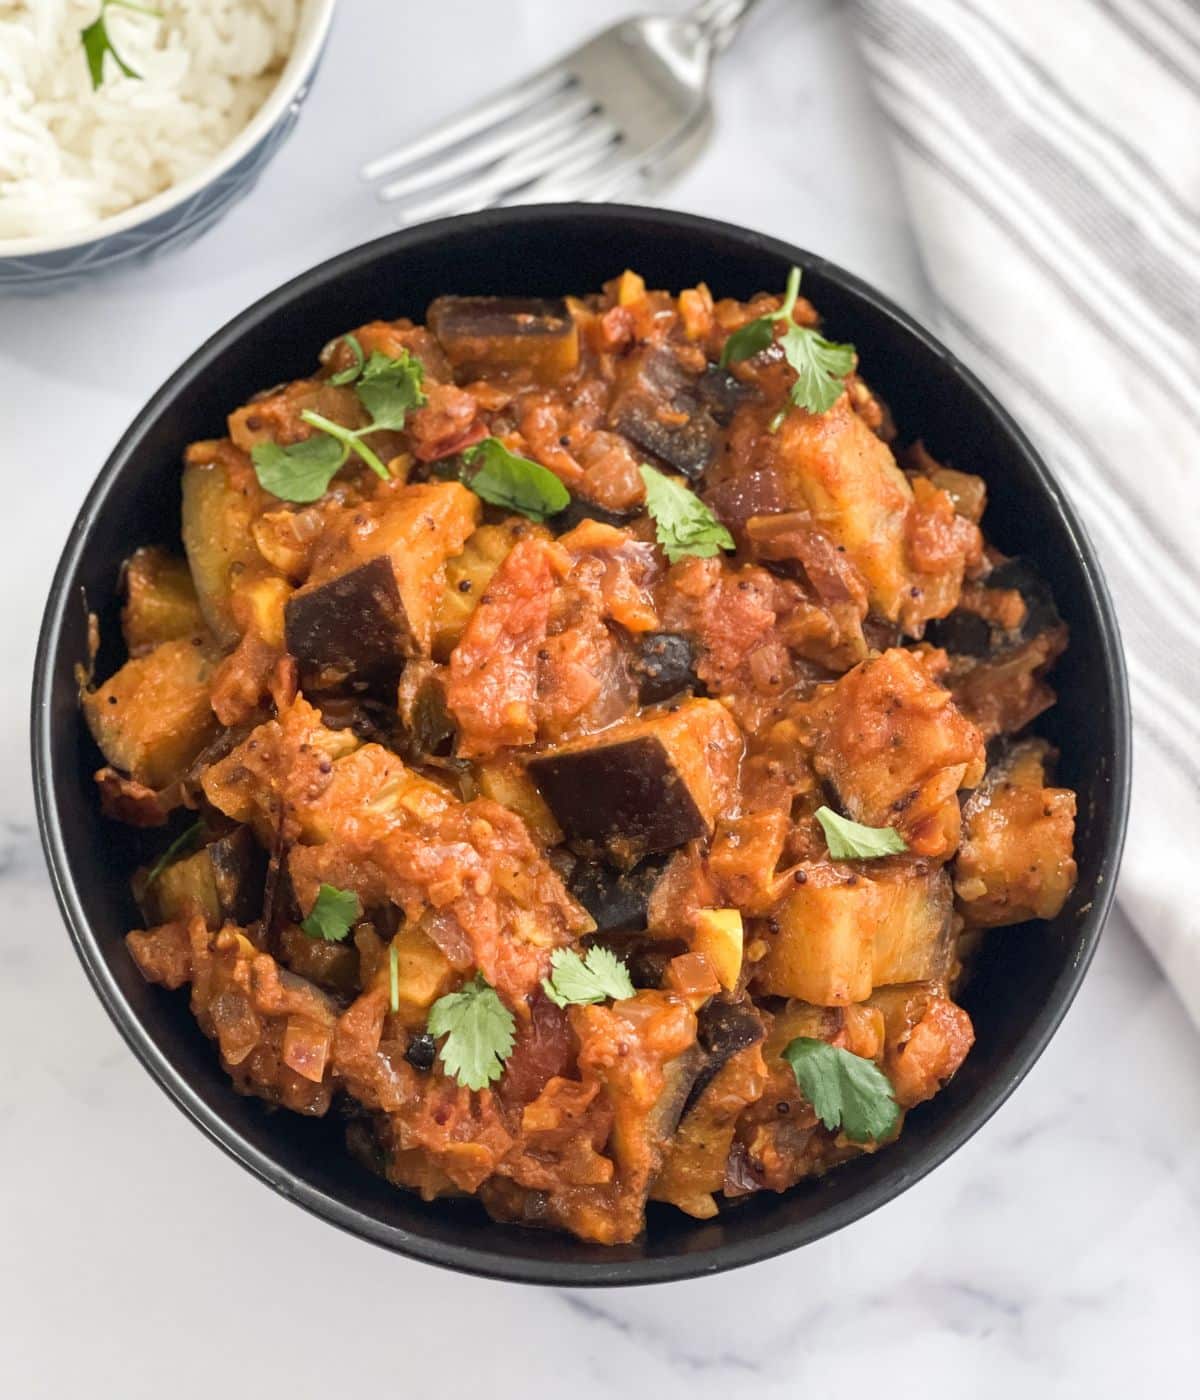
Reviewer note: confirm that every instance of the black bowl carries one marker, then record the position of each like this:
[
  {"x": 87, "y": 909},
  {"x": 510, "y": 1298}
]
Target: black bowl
[{"x": 1025, "y": 977}]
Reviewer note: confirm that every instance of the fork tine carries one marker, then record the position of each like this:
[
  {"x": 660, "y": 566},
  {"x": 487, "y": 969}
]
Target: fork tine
[
  {"x": 515, "y": 170},
  {"x": 563, "y": 110},
  {"x": 497, "y": 107},
  {"x": 598, "y": 180},
  {"x": 562, "y": 182}
]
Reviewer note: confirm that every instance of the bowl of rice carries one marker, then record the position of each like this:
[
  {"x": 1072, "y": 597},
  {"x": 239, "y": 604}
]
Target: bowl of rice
[{"x": 127, "y": 129}]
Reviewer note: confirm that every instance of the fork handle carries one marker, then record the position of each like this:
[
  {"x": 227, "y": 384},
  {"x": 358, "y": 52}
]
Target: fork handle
[{"x": 719, "y": 20}]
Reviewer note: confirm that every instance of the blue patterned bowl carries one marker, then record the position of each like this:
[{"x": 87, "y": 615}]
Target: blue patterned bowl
[{"x": 184, "y": 211}]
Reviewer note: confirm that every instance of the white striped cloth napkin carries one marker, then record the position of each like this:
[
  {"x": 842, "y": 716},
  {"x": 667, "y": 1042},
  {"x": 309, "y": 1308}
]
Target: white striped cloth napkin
[{"x": 1050, "y": 158}]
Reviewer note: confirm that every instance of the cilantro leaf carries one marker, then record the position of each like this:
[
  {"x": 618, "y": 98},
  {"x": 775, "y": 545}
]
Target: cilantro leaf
[
  {"x": 821, "y": 365},
  {"x": 845, "y": 1090},
  {"x": 97, "y": 41},
  {"x": 849, "y": 840},
  {"x": 512, "y": 482},
  {"x": 683, "y": 523},
  {"x": 301, "y": 472},
  {"x": 748, "y": 340},
  {"x": 479, "y": 1031},
  {"x": 581, "y": 981},
  {"x": 333, "y": 914},
  {"x": 389, "y": 387},
  {"x": 180, "y": 844},
  {"x": 348, "y": 376}
]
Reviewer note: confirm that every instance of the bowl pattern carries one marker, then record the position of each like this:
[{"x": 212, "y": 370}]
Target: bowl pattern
[
  {"x": 1022, "y": 982},
  {"x": 176, "y": 227}
]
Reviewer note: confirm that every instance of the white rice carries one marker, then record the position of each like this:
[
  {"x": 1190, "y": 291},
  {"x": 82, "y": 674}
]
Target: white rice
[{"x": 70, "y": 156}]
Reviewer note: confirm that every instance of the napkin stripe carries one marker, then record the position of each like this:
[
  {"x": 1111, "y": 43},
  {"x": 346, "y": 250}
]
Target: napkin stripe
[
  {"x": 1087, "y": 464},
  {"x": 1133, "y": 25},
  {"x": 1053, "y": 251},
  {"x": 1084, "y": 133},
  {"x": 1050, "y": 170}
]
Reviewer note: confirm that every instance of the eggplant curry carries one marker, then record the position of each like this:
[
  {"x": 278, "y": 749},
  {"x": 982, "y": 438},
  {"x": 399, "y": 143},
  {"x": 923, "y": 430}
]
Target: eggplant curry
[{"x": 591, "y": 746}]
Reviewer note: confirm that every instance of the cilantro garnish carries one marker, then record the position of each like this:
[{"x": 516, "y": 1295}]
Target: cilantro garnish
[
  {"x": 180, "y": 843},
  {"x": 821, "y": 365},
  {"x": 333, "y": 914},
  {"x": 683, "y": 523},
  {"x": 387, "y": 387},
  {"x": 581, "y": 981},
  {"x": 348, "y": 376},
  {"x": 501, "y": 478},
  {"x": 845, "y": 1090},
  {"x": 849, "y": 840},
  {"x": 97, "y": 42},
  {"x": 479, "y": 1031}
]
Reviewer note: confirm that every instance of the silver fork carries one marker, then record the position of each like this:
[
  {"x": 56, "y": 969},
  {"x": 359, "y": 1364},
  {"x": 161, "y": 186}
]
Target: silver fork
[{"x": 622, "y": 110}]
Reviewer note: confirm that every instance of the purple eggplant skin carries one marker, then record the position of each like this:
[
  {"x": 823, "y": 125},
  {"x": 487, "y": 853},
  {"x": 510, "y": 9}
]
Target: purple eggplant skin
[
  {"x": 965, "y": 633},
  {"x": 226, "y": 878},
  {"x": 724, "y": 1028},
  {"x": 483, "y": 334},
  {"x": 239, "y": 867},
  {"x": 720, "y": 393},
  {"x": 581, "y": 509},
  {"x": 352, "y": 627},
  {"x": 618, "y": 900},
  {"x": 650, "y": 381},
  {"x": 664, "y": 664},
  {"x": 625, "y": 794}
]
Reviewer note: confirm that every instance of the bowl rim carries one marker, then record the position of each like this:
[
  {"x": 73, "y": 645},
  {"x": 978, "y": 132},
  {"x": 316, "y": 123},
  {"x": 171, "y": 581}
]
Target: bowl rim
[
  {"x": 312, "y": 31},
  {"x": 479, "y": 1259}
]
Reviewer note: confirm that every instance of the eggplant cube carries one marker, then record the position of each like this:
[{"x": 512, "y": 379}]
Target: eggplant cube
[
  {"x": 370, "y": 604},
  {"x": 481, "y": 335},
  {"x": 351, "y": 625},
  {"x": 657, "y": 406},
  {"x": 650, "y": 784},
  {"x": 618, "y": 900},
  {"x": 223, "y": 882},
  {"x": 665, "y": 665}
]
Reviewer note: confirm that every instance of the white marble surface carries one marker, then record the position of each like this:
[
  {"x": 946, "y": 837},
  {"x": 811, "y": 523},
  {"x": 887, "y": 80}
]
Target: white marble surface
[{"x": 1055, "y": 1255}]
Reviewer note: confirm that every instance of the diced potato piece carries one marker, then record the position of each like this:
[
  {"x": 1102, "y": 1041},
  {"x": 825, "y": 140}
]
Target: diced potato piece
[
  {"x": 259, "y": 606},
  {"x": 217, "y": 536},
  {"x": 370, "y": 601},
  {"x": 895, "y": 747},
  {"x": 423, "y": 975},
  {"x": 824, "y": 950},
  {"x": 467, "y": 577},
  {"x": 160, "y": 601},
  {"x": 1016, "y": 860},
  {"x": 645, "y": 785},
  {"x": 481, "y": 335},
  {"x": 630, "y": 288},
  {"x": 912, "y": 940},
  {"x": 718, "y": 937},
  {"x": 837, "y": 940},
  {"x": 505, "y": 780},
  {"x": 154, "y": 715},
  {"x": 846, "y": 476}
]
